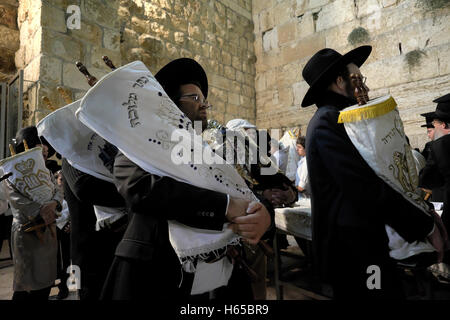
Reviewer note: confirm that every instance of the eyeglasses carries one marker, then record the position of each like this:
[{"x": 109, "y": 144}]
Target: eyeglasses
[
  {"x": 363, "y": 79},
  {"x": 196, "y": 97}
]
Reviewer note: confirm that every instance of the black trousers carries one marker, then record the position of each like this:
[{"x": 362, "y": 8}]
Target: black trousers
[
  {"x": 357, "y": 253},
  {"x": 63, "y": 257},
  {"x": 35, "y": 295}
]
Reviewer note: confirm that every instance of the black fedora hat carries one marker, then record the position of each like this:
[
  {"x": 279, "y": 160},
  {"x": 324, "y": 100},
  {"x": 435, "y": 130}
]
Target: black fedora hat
[
  {"x": 443, "y": 108},
  {"x": 325, "y": 63},
  {"x": 429, "y": 116},
  {"x": 182, "y": 71},
  {"x": 30, "y": 134}
]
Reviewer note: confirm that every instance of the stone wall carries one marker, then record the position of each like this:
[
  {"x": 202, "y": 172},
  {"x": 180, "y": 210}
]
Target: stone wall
[
  {"x": 410, "y": 57},
  {"x": 9, "y": 38},
  {"x": 218, "y": 34}
]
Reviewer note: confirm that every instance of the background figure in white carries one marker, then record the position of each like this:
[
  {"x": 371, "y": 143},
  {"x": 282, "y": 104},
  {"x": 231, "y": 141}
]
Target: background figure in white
[{"x": 301, "y": 178}]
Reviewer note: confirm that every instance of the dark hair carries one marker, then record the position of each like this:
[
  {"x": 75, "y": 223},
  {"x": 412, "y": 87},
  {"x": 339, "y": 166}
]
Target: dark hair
[
  {"x": 341, "y": 72},
  {"x": 302, "y": 141}
]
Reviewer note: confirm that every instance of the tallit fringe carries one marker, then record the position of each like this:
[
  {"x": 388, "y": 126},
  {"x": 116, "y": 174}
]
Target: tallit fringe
[{"x": 369, "y": 112}]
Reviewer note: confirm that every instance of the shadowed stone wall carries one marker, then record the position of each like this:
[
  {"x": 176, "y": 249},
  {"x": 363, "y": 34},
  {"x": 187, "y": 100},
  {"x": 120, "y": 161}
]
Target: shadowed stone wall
[{"x": 410, "y": 57}]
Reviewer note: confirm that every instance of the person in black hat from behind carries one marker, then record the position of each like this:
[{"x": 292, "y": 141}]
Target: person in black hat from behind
[
  {"x": 146, "y": 266},
  {"x": 437, "y": 170},
  {"x": 350, "y": 204},
  {"x": 437, "y": 194}
]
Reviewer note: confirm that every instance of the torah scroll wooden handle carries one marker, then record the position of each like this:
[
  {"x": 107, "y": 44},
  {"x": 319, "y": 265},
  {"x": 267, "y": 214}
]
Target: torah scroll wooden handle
[
  {"x": 90, "y": 79},
  {"x": 109, "y": 63},
  {"x": 64, "y": 95}
]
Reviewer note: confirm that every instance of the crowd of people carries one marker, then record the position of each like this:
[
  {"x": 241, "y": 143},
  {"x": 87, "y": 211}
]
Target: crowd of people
[{"x": 131, "y": 257}]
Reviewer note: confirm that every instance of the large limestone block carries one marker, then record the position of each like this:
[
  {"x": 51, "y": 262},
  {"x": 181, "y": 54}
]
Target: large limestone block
[
  {"x": 284, "y": 11},
  {"x": 270, "y": 40},
  {"x": 150, "y": 43},
  {"x": 299, "y": 90},
  {"x": 97, "y": 53},
  {"x": 73, "y": 78},
  {"x": 97, "y": 11},
  {"x": 9, "y": 38},
  {"x": 7, "y": 65},
  {"x": 287, "y": 32},
  {"x": 50, "y": 70},
  {"x": 303, "y": 48},
  {"x": 111, "y": 39},
  {"x": 260, "y": 5},
  {"x": 335, "y": 13},
  {"x": 89, "y": 31},
  {"x": 8, "y": 16},
  {"x": 53, "y": 18},
  {"x": 266, "y": 20},
  {"x": 65, "y": 47}
]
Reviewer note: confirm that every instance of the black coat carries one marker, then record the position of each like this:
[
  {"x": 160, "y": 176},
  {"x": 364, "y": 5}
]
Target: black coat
[
  {"x": 146, "y": 265},
  {"x": 350, "y": 203},
  {"x": 91, "y": 250},
  {"x": 437, "y": 173}
]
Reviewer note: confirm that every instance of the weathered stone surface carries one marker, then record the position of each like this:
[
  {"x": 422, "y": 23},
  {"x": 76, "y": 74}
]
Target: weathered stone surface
[
  {"x": 8, "y": 16},
  {"x": 9, "y": 38},
  {"x": 73, "y": 78},
  {"x": 62, "y": 46},
  {"x": 97, "y": 53},
  {"x": 89, "y": 31},
  {"x": 97, "y": 11},
  {"x": 111, "y": 39},
  {"x": 335, "y": 13},
  {"x": 306, "y": 47},
  {"x": 150, "y": 43},
  {"x": 50, "y": 70}
]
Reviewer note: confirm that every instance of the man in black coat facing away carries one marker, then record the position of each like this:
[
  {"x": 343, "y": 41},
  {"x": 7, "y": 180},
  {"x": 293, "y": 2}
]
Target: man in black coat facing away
[
  {"x": 350, "y": 204},
  {"x": 146, "y": 266},
  {"x": 437, "y": 170}
]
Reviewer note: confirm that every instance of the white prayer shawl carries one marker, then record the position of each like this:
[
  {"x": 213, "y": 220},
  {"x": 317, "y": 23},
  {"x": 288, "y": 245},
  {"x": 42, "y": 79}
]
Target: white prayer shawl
[
  {"x": 376, "y": 130},
  {"x": 84, "y": 149},
  {"x": 130, "y": 109},
  {"x": 29, "y": 175},
  {"x": 289, "y": 139}
]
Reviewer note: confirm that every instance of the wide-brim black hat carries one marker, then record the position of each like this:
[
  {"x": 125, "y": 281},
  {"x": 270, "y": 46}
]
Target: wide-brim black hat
[
  {"x": 182, "y": 71},
  {"x": 30, "y": 135},
  {"x": 429, "y": 116},
  {"x": 324, "y": 64},
  {"x": 443, "y": 108}
]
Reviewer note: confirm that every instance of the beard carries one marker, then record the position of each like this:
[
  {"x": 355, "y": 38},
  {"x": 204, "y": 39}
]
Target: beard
[{"x": 350, "y": 92}]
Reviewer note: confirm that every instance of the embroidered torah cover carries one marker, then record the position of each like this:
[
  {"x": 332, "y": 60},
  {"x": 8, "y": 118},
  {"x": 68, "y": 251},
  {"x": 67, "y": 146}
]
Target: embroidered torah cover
[
  {"x": 377, "y": 132},
  {"x": 29, "y": 175}
]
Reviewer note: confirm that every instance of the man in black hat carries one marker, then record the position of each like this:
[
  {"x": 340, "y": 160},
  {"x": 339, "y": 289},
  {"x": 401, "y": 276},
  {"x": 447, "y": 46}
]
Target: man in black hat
[
  {"x": 146, "y": 266},
  {"x": 437, "y": 194},
  {"x": 350, "y": 204},
  {"x": 437, "y": 170}
]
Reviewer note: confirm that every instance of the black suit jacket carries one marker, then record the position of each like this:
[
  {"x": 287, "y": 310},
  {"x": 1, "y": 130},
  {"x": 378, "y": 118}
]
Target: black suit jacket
[
  {"x": 437, "y": 173},
  {"x": 346, "y": 192},
  {"x": 152, "y": 201}
]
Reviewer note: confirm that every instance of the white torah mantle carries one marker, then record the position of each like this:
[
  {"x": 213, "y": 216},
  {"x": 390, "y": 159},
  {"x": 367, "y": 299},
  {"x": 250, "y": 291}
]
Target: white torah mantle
[
  {"x": 130, "y": 109},
  {"x": 376, "y": 130}
]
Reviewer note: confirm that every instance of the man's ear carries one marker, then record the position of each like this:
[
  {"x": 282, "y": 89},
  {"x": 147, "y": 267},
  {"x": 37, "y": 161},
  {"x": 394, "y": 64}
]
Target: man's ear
[{"x": 340, "y": 82}]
